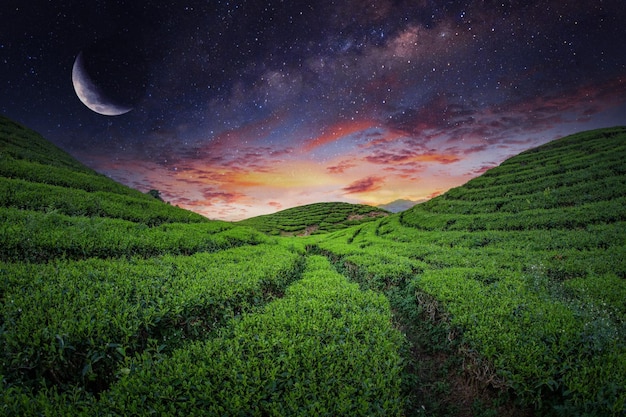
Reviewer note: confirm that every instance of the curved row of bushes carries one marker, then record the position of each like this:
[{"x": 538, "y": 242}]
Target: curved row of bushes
[
  {"x": 326, "y": 348},
  {"x": 70, "y": 323},
  {"x": 26, "y": 195},
  {"x": 36, "y": 236}
]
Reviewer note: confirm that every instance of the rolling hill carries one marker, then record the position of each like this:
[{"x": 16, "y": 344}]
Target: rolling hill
[
  {"x": 36, "y": 175},
  {"x": 504, "y": 296},
  {"x": 314, "y": 219}
]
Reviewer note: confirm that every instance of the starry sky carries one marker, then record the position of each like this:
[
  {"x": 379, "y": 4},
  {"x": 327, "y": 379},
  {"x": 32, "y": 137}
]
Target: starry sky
[{"x": 242, "y": 108}]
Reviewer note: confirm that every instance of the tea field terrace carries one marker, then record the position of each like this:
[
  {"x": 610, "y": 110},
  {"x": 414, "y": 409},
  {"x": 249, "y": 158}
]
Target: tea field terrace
[{"x": 115, "y": 303}]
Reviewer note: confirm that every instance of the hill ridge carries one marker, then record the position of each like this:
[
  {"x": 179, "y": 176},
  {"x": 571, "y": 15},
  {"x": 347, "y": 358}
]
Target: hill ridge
[
  {"x": 522, "y": 190},
  {"x": 39, "y": 176}
]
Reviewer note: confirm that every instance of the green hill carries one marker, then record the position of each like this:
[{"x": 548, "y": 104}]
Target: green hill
[
  {"x": 314, "y": 219},
  {"x": 501, "y": 297},
  {"x": 566, "y": 184},
  {"x": 37, "y": 176},
  {"x": 517, "y": 277}
]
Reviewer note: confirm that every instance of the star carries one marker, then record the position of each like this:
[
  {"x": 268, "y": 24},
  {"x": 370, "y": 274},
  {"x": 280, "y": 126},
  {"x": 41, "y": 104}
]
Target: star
[{"x": 244, "y": 105}]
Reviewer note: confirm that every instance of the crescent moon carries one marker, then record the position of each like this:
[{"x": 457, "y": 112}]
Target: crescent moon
[{"x": 90, "y": 94}]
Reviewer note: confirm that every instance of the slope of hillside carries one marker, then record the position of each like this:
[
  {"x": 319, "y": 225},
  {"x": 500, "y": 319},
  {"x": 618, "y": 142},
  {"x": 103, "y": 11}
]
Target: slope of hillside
[
  {"x": 21, "y": 143},
  {"x": 314, "y": 218},
  {"x": 568, "y": 183},
  {"x": 37, "y": 176},
  {"x": 517, "y": 278}
]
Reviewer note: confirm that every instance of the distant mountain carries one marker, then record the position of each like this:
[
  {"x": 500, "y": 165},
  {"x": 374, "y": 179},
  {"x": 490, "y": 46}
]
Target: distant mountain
[
  {"x": 314, "y": 218},
  {"x": 400, "y": 205}
]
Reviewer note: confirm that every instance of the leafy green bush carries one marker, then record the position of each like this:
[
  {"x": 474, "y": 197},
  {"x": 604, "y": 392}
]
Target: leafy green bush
[
  {"x": 326, "y": 348},
  {"x": 61, "y": 176},
  {"x": 323, "y": 217},
  {"x": 72, "y": 322},
  {"x": 38, "y": 237},
  {"x": 26, "y": 195}
]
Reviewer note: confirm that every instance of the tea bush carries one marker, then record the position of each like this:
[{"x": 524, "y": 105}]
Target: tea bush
[
  {"x": 68, "y": 322},
  {"x": 326, "y": 348},
  {"x": 323, "y": 217},
  {"x": 35, "y": 236},
  {"x": 26, "y": 195},
  {"x": 525, "y": 264}
]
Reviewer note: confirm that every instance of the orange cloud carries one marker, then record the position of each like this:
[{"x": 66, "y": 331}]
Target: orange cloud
[
  {"x": 435, "y": 194},
  {"x": 341, "y": 167},
  {"x": 227, "y": 197},
  {"x": 338, "y": 131},
  {"x": 407, "y": 157}
]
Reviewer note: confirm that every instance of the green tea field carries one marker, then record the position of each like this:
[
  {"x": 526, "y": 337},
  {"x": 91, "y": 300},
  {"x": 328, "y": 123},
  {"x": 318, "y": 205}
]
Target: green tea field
[{"x": 505, "y": 296}]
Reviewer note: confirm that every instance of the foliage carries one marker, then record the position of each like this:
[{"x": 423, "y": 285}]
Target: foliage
[
  {"x": 113, "y": 303},
  {"x": 20, "y": 143},
  {"x": 69, "y": 322},
  {"x": 326, "y": 348},
  {"x": 25, "y": 195},
  {"x": 39, "y": 237},
  {"x": 527, "y": 263}
]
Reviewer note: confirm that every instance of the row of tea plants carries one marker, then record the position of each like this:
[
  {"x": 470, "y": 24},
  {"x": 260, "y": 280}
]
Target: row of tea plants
[{"x": 532, "y": 300}]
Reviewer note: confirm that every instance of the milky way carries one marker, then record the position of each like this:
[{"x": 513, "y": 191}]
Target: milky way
[{"x": 249, "y": 107}]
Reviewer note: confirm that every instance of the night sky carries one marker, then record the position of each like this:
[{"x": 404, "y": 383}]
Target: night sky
[{"x": 241, "y": 108}]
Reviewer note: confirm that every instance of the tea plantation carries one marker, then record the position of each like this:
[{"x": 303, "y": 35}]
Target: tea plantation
[
  {"x": 520, "y": 275},
  {"x": 315, "y": 218},
  {"x": 506, "y": 296}
]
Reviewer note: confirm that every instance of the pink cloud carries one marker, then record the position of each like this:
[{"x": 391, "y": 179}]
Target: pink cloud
[
  {"x": 364, "y": 185},
  {"x": 434, "y": 194},
  {"x": 406, "y": 156},
  {"x": 341, "y": 167},
  {"x": 337, "y": 131},
  {"x": 224, "y": 197}
]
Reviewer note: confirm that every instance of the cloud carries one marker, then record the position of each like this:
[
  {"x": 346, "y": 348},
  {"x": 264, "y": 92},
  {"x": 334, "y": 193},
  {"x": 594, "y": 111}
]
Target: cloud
[
  {"x": 338, "y": 131},
  {"x": 442, "y": 111},
  {"x": 364, "y": 185},
  {"x": 225, "y": 197},
  {"x": 341, "y": 167},
  {"x": 409, "y": 156},
  {"x": 406, "y": 172},
  {"x": 484, "y": 168},
  {"x": 434, "y": 194}
]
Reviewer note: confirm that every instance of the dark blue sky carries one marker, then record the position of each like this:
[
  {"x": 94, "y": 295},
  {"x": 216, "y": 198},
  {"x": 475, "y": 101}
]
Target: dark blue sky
[{"x": 245, "y": 107}]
